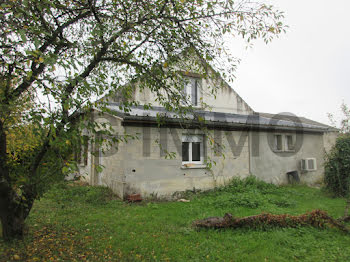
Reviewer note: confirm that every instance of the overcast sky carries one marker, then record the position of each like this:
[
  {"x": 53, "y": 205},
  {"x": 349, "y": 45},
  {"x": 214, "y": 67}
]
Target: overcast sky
[{"x": 305, "y": 71}]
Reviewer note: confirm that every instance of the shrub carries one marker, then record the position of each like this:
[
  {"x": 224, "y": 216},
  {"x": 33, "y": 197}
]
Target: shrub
[
  {"x": 238, "y": 185},
  {"x": 337, "y": 167},
  {"x": 249, "y": 192}
]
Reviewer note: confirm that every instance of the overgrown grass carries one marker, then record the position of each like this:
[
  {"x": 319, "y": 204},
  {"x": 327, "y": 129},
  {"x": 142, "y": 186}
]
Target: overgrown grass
[{"x": 77, "y": 223}]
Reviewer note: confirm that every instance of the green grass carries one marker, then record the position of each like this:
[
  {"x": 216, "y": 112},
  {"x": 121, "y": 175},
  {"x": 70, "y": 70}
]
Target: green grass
[{"x": 77, "y": 223}]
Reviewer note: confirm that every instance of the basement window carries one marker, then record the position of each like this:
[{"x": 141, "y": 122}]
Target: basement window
[{"x": 192, "y": 150}]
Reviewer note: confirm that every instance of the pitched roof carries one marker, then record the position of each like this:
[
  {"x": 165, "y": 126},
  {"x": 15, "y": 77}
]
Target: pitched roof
[
  {"x": 138, "y": 114},
  {"x": 303, "y": 120}
]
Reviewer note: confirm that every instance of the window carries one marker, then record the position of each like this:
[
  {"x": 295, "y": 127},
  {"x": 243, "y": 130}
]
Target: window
[
  {"x": 192, "y": 149},
  {"x": 311, "y": 164},
  {"x": 278, "y": 143},
  {"x": 289, "y": 143},
  {"x": 308, "y": 164},
  {"x": 192, "y": 89},
  {"x": 81, "y": 151},
  {"x": 284, "y": 143}
]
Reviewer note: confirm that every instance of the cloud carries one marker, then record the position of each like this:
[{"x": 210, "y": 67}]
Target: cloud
[{"x": 307, "y": 70}]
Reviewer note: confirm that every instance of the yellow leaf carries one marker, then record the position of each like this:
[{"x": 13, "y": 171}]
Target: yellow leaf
[
  {"x": 165, "y": 64},
  {"x": 41, "y": 59}
]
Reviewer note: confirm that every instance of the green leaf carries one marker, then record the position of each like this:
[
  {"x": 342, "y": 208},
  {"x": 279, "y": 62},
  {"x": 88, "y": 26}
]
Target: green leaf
[{"x": 23, "y": 35}]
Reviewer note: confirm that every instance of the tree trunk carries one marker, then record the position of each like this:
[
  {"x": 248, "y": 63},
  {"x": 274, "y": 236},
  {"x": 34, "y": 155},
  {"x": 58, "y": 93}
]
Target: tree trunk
[
  {"x": 13, "y": 212},
  {"x": 14, "y": 209},
  {"x": 12, "y": 226}
]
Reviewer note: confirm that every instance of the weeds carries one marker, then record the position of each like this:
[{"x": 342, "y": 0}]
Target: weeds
[
  {"x": 79, "y": 223},
  {"x": 69, "y": 192}
]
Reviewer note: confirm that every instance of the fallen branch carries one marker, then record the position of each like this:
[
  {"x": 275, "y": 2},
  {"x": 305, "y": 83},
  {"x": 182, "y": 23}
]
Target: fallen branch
[
  {"x": 344, "y": 219},
  {"x": 316, "y": 218}
]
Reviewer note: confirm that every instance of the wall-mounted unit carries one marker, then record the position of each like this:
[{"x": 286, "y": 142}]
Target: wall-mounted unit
[{"x": 308, "y": 164}]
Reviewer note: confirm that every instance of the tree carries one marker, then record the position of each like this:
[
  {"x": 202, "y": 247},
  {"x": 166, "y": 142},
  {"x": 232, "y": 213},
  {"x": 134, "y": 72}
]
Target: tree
[
  {"x": 337, "y": 175},
  {"x": 344, "y": 125},
  {"x": 337, "y": 172},
  {"x": 64, "y": 55}
]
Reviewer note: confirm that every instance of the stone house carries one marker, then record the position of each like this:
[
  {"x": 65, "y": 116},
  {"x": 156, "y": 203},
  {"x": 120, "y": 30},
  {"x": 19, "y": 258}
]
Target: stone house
[{"x": 264, "y": 145}]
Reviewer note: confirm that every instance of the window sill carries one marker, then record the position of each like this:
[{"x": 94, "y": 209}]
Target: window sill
[
  {"x": 278, "y": 151},
  {"x": 284, "y": 151},
  {"x": 193, "y": 166},
  {"x": 290, "y": 151}
]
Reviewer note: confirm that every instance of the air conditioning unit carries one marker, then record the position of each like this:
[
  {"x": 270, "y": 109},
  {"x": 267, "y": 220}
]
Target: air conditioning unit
[{"x": 308, "y": 164}]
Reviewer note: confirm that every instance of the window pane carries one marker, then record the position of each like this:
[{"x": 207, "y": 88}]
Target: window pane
[
  {"x": 185, "y": 152},
  {"x": 194, "y": 92},
  {"x": 86, "y": 149},
  {"x": 196, "y": 151},
  {"x": 186, "y": 92},
  {"x": 290, "y": 143},
  {"x": 278, "y": 142},
  {"x": 310, "y": 164}
]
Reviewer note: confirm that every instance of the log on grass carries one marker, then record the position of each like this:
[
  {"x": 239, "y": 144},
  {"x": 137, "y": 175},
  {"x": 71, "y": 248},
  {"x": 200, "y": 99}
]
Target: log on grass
[
  {"x": 344, "y": 219},
  {"x": 316, "y": 218}
]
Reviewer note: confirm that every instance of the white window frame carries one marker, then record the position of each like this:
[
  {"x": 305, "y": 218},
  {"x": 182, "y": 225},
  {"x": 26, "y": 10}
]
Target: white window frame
[
  {"x": 306, "y": 165},
  {"x": 193, "y": 139},
  {"x": 275, "y": 143},
  {"x": 284, "y": 142},
  {"x": 189, "y": 83}
]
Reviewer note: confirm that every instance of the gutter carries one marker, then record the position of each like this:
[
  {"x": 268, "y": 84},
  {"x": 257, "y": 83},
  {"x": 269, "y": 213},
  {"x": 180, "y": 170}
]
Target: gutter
[{"x": 190, "y": 124}]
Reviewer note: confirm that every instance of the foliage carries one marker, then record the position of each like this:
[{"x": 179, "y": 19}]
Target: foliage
[
  {"x": 66, "y": 56},
  {"x": 250, "y": 183},
  {"x": 337, "y": 167},
  {"x": 344, "y": 122},
  {"x": 238, "y": 192},
  {"x": 74, "y": 193},
  {"x": 161, "y": 231}
]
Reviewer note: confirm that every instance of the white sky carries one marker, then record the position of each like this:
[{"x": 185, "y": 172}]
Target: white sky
[{"x": 305, "y": 71}]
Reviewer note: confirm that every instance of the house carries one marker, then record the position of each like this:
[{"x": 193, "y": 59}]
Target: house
[{"x": 175, "y": 156}]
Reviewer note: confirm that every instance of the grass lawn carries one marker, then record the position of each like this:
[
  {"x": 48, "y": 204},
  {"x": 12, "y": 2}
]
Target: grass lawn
[{"x": 78, "y": 223}]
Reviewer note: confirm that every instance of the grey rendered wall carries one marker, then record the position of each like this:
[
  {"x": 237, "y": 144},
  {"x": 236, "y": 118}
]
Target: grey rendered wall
[
  {"x": 226, "y": 99},
  {"x": 148, "y": 172},
  {"x": 329, "y": 140},
  {"x": 112, "y": 174},
  {"x": 272, "y": 167},
  {"x": 138, "y": 166}
]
